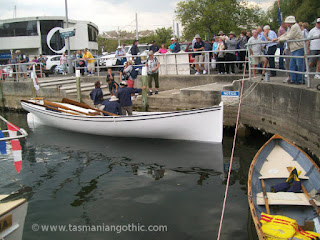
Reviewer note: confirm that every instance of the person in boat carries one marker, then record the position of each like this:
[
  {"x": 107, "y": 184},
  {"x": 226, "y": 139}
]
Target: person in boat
[
  {"x": 97, "y": 95},
  {"x": 111, "y": 105},
  {"x": 124, "y": 95},
  {"x": 113, "y": 86}
]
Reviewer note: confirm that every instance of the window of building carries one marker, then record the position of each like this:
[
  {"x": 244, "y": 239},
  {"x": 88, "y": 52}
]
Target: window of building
[
  {"x": 92, "y": 33},
  {"x": 56, "y": 42},
  {"x": 15, "y": 29}
]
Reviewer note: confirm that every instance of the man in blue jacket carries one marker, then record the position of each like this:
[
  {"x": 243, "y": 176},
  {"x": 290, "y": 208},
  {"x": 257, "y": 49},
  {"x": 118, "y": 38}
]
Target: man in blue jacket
[
  {"x": 124, "y": 95},
  {"x": 96, "y": 94},
  {"x": 111, "y": 105}
]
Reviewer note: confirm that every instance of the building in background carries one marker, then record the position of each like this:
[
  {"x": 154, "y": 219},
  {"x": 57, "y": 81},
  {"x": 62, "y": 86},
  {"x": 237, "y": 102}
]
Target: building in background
[{"x": 40, "y": 35}]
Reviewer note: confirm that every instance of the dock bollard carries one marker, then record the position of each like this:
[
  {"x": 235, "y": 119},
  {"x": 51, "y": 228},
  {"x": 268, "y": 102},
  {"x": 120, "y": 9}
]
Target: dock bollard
[
  {"x": 267, "y": 77},
  {"x": 78, "y": 85},
  {"x": 144, "y": 91}
]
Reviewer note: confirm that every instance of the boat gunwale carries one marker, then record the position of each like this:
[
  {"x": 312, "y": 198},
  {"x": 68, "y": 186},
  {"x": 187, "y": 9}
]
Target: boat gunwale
[
  {"x": 120, "y": 118},
  {"x": 12, "y": 208},
  {"x": 252, "y": 165}
]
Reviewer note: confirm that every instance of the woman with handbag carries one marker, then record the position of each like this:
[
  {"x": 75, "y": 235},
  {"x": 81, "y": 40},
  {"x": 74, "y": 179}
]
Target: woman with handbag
[{"x": 220, "y": 57}]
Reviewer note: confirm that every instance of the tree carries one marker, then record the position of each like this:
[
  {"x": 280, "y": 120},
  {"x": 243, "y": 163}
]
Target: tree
[
  {"x": 208, "y": 17},
  {"x": 303, "y": 10}
]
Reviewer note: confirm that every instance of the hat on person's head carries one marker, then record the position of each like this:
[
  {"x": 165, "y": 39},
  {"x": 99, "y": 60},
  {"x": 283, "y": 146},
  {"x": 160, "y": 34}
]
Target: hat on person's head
[
  {"x": 119, "y": 47},
  {"x": 266, "y": 27},
  {"x": 318, "y": 20},
  {"x": 197, "y": 36},
  {"x": 113, "y": 99},
  {"x": 172, "y": 38},
  {"x": 150, "y": 52},
  {"x": 130, "y": 62},
  {"x": 221, "y": 32},
  {"x": 232, "y": 33},
  {"x": 290, "y": 19},
  {"x": 124, "y": 83}
]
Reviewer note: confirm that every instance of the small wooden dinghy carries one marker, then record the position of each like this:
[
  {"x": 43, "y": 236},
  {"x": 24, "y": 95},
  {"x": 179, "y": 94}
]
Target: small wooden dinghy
[
  {"x": 205, "y": 125},
  {"x": 271, "y": 166}
]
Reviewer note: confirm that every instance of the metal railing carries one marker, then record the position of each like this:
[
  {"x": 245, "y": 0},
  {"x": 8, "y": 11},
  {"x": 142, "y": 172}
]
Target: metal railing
[
  {"x": 186, "y": 61},
  {"x": 99, "y": 67},
  {"x": 14, "y": 69},
  {"x": 306, "y": 57}
]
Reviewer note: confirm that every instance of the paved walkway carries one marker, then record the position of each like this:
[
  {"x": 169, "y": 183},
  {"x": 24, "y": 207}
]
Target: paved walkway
[{"x": 281, "y": 80}]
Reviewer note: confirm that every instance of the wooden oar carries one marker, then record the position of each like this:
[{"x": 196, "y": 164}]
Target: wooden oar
[
  {"x": 84, "y": 105},
  {"x": 46, "y": 102},
  {"x": 313, "y": 204},
  {"x": 265, "y": 196},
  {"x": 50, "y": 107}
]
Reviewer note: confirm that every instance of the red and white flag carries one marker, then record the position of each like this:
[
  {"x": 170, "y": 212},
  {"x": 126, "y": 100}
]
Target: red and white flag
[{"x": 16, "y": 147}]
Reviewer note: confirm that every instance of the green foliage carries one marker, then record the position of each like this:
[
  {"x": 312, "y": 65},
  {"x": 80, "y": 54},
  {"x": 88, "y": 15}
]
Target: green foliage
[
  {"x": 303, "y": 10},
  {"x": 161, "y": 35},
  {"x": 208, "y": 17}
]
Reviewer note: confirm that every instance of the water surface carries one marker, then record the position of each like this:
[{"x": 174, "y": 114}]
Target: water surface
[{"x": 89, "y": 180}]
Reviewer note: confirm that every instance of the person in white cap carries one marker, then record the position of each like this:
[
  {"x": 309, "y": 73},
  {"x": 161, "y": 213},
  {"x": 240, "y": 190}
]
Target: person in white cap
[
  {"x": 124, "y": 95},
  {"x": 120, "y": 56},
  {"x": 198, "y": 57},
  {"x": 296, "y": 48},
  {"x": 314, "y": 47},
  {"x": 111, "y": 105},
  {"x": 171, "y": 47}
]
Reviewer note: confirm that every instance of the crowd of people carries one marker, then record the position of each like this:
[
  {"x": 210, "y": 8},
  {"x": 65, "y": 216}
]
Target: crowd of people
[
  {"x": 262, "y": 45},
  {"x": 122, "y": 94},
  {"x": 232, "y": 50},
  {"x": 20, "y": 63}
]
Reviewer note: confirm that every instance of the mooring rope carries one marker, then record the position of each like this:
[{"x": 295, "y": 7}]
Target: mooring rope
[{"x": 232, "y": 154}]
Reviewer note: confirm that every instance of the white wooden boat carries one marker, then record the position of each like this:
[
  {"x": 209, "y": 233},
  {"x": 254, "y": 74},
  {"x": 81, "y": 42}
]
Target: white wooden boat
[
  {"x": 12, "y": 210},
  {"x": 271, "y": 166},
  {"x": 204, "y": 124}
]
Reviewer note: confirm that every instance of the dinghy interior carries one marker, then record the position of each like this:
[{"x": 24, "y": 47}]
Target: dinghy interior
[{"x": 270, "y": 167}]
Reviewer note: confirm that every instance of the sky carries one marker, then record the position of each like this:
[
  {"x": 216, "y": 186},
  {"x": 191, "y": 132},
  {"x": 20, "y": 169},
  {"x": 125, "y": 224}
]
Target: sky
[{"x": 106, "y": 14}]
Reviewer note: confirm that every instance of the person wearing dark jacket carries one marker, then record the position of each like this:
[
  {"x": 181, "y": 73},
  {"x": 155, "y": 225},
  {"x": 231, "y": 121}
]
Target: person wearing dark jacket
[
  {"x": 176, "y": 48},
  {"x": 111, "y": 105},
  {"x": 154, "y": 47},
  {"x": 96, "y": 94},
  {"x": 134, "y": 51},
  {"x": 124, "y": 95}
]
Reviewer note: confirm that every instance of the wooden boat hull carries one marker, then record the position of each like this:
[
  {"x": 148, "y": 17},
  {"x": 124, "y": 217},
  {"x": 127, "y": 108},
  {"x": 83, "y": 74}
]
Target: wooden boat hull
[
  {"x": 270, "y": 164},
  {"x": 12, "y": 217},
  {"x": 195, "y": 125}
]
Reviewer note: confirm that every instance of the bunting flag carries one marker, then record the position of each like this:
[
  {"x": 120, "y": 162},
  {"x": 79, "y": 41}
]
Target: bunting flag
[
  {"x": 16, "y": 147},
  {"x": 279, "y": 14},
  {"x": 35, "y": 78},
  {"x": 3, "y": 146}
]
